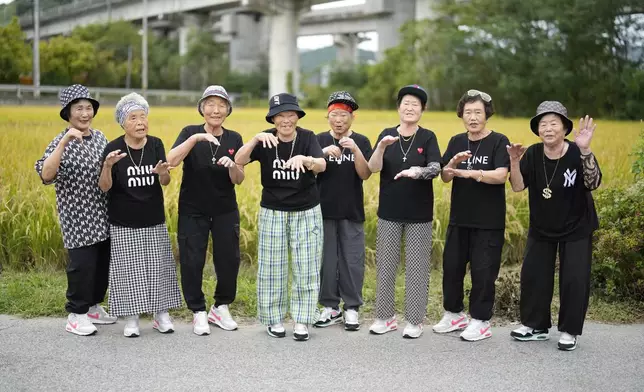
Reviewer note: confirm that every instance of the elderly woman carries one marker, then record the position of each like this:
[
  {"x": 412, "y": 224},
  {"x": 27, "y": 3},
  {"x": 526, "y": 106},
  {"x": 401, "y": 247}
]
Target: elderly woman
[
  {"x": 208, "y": 208},
  {"x": 408, "y": 158},
  {"x": 290, "y": 218},
  {"x": 72, "y": 162},
  {"x": 560, "y": 176},
  {"x": 477, "y": 162},
  {"x": 341, "y": 199},
  {"x": 143, "y": 276}
]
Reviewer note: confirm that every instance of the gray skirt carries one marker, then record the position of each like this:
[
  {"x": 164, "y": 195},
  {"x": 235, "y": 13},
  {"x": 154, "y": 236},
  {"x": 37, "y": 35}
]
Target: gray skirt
[{"x": 143, "y": 273}]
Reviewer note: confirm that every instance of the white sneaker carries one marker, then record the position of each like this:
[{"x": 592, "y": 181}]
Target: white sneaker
[
  {"x": 163, "y": 323},
  {"x": 300, "y": 332},
  {"x": 200, "y": 324},
  {"x": 276, "y": 330},
  {"x": 567, "y": 342},
  {"x": 451, "y": 322},
  {"x": 412, "y": 331},
  {"x": 525, "y": 334},
  {"x": 80, "y": 324},
  {"x": 98, "y": 315},
  {"x": 351, "y": 320},
  {"x": 221, "y": 317},
  {"x": 131, "y": 329},
  {"x": 477, "y": 330},
  {"x": 381, "y": 326},
  {"x": 328, "y": 317}
]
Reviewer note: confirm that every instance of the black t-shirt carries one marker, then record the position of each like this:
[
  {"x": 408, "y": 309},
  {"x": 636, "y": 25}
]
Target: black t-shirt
[
  {"x": 206, "y": 188},
  {"x": 569, "y": 214},
  {"x": 406, "y": 199},
  {"x": 285, "y": 189},
  {"x": 136, "y": 197},
  {"x": 477, "y": 204},
  {"x": 341, "y": 195}
]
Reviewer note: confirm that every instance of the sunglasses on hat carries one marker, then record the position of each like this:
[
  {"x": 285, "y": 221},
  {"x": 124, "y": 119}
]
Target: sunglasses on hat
[{"x": 485, "y": 96}]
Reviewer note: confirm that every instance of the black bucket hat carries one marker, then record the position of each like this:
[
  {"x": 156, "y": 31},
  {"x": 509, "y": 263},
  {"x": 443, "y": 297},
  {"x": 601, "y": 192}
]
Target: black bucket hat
[
  {"x": 416, "y": 91},
  {"x": 71, "y": 94},
  {"x": 547, "y": 107},
  {"x": 283, "y": 102},
  {"x": 342, "y": 97}
]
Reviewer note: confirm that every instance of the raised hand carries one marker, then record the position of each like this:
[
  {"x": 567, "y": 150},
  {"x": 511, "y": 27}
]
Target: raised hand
[
  {"x": 516, "y": 151},
  {"x": 348, "y": 143},
  {"x": 226, "y": 162},
  {"x": 162, "y": 168},
  {"x": 460, "y": 157},
  {"x": 412, "y": 172},
  {"x": 113, "y": 157},
  {"x": 296, "y": 163},
  {"x": 333, "y": 150},
  {"x": 72, "y": 134},
  {"x": 584, "y": 135},
  {"x": 268, "y": 140},
  {"x": 388, "y": 140}
]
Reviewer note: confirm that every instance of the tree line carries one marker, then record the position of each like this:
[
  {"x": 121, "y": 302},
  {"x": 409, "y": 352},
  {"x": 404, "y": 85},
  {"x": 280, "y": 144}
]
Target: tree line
[{"x": 588, "y": 54}]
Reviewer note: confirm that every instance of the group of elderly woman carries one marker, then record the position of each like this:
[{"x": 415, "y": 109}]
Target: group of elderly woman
[{"x": 111, "y": 210}]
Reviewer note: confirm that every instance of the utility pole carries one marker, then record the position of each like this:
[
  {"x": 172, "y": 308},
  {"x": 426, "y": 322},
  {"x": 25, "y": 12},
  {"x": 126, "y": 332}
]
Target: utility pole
[
  {"x": 36, "y": 50},
  {"x": 144, "y": 51}
]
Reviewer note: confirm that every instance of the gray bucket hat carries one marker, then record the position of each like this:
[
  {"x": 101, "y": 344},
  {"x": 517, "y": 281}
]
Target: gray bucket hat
[
  {"x": 215, "y": 91},
  {"x": 547, "y": 107},
  {"x": 72, "y": 94}
]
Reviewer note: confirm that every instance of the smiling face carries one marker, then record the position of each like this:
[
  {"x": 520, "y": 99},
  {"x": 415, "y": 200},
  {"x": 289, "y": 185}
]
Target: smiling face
[
  {"x": 136, "y": 124},
  {"x": 215, "y": 110},
  {"x": 340, "y": 121},
  {"x": 474, "y": 118},
  {"x": 81, "y": 114},
  {"x": 410, "y": 109},
  {"x": 551, "y": 129},
  {"x": 285, "y": 123}
]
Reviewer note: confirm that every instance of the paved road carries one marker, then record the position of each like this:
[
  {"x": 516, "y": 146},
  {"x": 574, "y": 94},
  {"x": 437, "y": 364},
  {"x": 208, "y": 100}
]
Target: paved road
[{"x": 39, "y": 355}]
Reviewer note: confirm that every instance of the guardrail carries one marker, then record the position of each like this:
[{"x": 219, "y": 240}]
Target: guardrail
[
  {"x": 26, "y": 20},
  {"x": 20, "y": 90}
]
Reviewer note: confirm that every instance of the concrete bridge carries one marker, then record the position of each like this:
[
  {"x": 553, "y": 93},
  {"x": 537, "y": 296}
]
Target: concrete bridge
[{"x": 254, "y": 29}]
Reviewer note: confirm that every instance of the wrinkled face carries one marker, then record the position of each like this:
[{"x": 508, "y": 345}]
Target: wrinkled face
[
  {"x": 340, "y": 120},
  {"x": 215, "y": 110},
  {"x": 474, "y": 117},
  {"x": 136, "y": 124},
  {"x": 285, "y": 123},
  {"x": 410, "y": 109},
  {"x": 81, "y": 114},
  {"x": 551, "y": 129}
]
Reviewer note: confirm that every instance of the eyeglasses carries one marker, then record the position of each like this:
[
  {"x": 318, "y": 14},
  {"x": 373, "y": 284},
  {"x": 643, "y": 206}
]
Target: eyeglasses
[{"x": 485, "y": 96}]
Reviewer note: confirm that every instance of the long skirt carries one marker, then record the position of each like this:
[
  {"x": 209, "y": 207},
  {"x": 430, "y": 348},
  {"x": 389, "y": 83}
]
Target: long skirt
[{"x": 143, "y": 274}]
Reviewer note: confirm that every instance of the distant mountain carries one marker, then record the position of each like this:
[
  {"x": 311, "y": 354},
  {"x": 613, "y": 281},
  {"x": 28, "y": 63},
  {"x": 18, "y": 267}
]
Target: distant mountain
[{"x": 312, "y": 60}]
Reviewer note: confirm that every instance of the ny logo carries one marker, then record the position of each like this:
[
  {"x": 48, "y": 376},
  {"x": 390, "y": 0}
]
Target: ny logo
[
  {"x": 569, "y": 178},
  {"x": 276, "y": 100}
]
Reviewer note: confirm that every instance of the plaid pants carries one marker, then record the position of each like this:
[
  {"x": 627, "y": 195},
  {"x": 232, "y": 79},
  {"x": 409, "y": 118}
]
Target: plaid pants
[{"x": 301, "y": 232}]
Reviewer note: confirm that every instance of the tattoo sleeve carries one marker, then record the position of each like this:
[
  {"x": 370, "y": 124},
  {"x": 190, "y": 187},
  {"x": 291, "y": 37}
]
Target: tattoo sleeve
[
  {"x": 432, "y": 170},
  {"x": 592, "y": 174}
]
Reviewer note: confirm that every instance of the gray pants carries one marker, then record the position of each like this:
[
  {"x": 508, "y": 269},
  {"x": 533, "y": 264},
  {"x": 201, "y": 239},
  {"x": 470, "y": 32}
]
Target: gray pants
[{"x": 342, "y": 264}]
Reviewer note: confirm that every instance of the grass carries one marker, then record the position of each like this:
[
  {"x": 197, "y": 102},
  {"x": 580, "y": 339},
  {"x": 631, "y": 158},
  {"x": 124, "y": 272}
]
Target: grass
[{"x": 31, "y": 249}]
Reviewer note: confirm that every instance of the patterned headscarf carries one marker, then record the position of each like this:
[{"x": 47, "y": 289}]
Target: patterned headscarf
[{"x": 128, "y": 104}]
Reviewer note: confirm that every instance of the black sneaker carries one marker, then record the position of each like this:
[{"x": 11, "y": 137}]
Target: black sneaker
[
  {"x": 567, "y": 342},
  {"x": 329, "y": 316},
  {"x": 276, "y": 330},
  {"x": 526, "y": 334},
  {"x": 300, "y": 332}
]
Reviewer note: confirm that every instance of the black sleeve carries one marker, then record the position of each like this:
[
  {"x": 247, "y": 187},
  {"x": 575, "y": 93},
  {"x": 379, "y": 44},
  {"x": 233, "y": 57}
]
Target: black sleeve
[
  {"x": 183, "y": 136},
  {"x": 381, "y": 136},
  {"x": 160, "y": 150},
  {"x": 525, "y": 166},
  {"x": 432, "y": 152},
  {"x": 501, "y": 157},
  {"x": 256, "y": 153},
  {"x": 365, "y": 148},
  {"x": 239, "y": 142},
  {"x": 314, "y": 150},
  {"x": 449, "y": 152}
]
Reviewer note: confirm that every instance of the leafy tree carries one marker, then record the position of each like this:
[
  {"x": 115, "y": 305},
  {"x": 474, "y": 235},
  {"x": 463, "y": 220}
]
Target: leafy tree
[{"x": 15, "y": 53}]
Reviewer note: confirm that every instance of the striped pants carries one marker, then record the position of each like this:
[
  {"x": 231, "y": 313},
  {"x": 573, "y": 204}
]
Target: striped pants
[
  {"x": 418, "y": 251},
  {"x": 301, "y": 233}
]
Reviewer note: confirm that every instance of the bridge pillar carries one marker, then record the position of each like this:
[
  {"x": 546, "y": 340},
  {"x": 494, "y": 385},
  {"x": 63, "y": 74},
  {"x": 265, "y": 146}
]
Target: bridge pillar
[
  {"x": 425, "y": 10},
  {"x": 283, "y": 54},
  {"x": 189, "y": 23},
  {"x": 347, "y": 47},
  {"x": 245, "y": 46},
  {"x": 389, "y": 30}
]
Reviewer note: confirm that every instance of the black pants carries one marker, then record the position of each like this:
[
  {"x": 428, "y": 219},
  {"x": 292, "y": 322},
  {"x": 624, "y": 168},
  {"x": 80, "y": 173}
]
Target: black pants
[
  {"x": 537, "y": 283},
  {"x": 482, "y": 249},
  {"x": 87, "y": 276},
  {"x": 193, "y": 232}
]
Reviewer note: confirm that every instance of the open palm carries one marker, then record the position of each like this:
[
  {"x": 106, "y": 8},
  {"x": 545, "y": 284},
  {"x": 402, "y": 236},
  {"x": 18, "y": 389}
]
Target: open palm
[{"x": 584, "y": 135}]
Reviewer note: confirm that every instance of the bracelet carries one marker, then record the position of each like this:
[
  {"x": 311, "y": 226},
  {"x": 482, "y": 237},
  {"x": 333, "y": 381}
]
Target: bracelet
[{"x": 480, "y": 177}]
